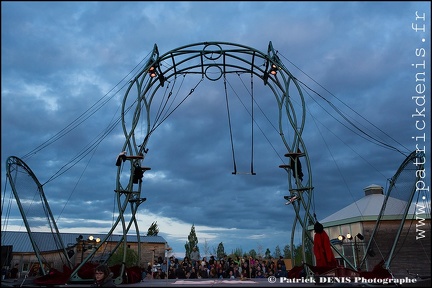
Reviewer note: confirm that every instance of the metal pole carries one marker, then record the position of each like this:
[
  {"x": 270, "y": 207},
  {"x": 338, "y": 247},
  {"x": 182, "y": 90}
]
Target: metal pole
[
  {"x": 356, "y": 250},
  {"x": 82, "y": 250}
]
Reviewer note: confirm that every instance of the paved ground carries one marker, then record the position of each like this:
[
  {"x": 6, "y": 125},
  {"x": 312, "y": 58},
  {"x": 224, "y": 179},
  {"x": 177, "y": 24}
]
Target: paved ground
[
  {"x": 262, "y": 282},
  {"x": 255, "y": 282}
]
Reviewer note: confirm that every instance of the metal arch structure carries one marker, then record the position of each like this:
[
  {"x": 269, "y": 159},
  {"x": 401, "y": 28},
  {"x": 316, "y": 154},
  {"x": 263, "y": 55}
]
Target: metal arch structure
[
  {"x": 402, "y": 186},
  {"x": 211, "y": 61},
  {"x": 33, "y": 206}
]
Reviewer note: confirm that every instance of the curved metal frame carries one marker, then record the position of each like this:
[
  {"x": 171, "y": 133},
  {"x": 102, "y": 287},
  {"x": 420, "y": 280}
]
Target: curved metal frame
[
  {"x": 14, "y": 164},
  {"x": 199, "y": 59},
  {"x": 415, "y": 157}
]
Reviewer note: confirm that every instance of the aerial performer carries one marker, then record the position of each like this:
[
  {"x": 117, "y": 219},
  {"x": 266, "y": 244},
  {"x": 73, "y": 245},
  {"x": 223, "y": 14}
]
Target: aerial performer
[{"x": 322, "y": 249}]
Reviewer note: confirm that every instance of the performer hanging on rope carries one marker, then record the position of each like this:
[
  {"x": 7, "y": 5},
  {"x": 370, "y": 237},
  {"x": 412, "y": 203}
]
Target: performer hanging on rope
[{"x": 322, "y": 248}]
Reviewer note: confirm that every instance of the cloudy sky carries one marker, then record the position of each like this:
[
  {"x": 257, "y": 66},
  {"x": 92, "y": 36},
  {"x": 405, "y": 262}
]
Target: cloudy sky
[{"x": 61, "y": 60}]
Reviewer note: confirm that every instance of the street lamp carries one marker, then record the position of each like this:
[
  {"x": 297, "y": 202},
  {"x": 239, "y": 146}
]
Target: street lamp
[
  {"x": 356, "y": 249},
  {"x": 81, "y": 241},
  {"x": 91, "y": 238},
  {"x": 167, "y": 249}
]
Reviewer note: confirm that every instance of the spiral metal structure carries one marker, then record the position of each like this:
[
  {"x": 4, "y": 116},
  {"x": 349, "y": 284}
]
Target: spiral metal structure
[{"x": 211, "y": 61}]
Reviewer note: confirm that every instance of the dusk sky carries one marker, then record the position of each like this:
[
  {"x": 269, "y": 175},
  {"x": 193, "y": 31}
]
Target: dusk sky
[{"x": 63, "y": 59}]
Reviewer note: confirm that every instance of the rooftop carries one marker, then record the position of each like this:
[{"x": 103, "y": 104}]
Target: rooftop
[
  {"x": 20, "y": 240},
  {"x": 369, "y": 207}
]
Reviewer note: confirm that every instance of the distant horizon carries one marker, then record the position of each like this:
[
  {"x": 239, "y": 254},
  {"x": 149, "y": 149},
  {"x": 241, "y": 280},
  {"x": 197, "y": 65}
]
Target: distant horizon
[{"x": 178, "y": 255}]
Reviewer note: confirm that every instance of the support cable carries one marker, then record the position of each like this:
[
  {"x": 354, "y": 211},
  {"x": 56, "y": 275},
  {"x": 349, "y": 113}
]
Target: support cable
[{"x": 366, "y": 136}]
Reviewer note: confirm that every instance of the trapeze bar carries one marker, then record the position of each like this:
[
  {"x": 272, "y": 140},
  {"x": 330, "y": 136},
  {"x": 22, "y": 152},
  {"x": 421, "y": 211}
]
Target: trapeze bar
[
  {"x": 122, "y": 157},
  {"x": 294, "y": 155},
  {"x": 301, "y": 189},
  {"x": 135, "y": 157},
  {"x": 145, "y": 169},
  {"x": 285, "y": 166},
  {"x": 244, "y": 173},
  {"x": 139, "y": 200},
  {"x": 126, "y": 191}
]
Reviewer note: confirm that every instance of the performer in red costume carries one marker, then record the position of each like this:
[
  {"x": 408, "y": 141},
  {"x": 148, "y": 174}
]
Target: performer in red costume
[{"x": 322, "y": 248}]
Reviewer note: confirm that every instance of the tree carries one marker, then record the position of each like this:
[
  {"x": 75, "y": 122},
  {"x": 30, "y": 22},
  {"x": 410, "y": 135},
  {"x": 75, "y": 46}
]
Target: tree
[
  {"x": 117, "y": 257},
  {"x": 192, "y": 242},
  {"x": 309, "y": 251},
  {"x": 287, "y": 252},
  {"x": 277, "y": 252},
  {"x": 153, "y": 230},
  {"x": 260, "y": 251},
  {"x": 253, "y": 253},
  {"x": 267, "y": 254},
  {"x": 214, "y": 251},
  {"x": 237, "y": 252},
  {"x": 298, "y": 254},
  {"x": 206, "y": 248},
  {"x": 220, "y": 251}
]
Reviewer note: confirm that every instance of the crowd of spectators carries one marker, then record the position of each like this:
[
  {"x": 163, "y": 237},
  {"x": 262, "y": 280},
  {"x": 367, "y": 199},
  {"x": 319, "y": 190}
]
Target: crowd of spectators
[{"x": 226, "y": 268}]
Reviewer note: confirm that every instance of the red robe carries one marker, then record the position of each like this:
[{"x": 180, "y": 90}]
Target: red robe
[{"x": 323, "y": 251}]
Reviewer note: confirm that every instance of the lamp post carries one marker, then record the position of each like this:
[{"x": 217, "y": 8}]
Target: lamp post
[
  {"x": 356, "y": 249},
  {"x": 83, "y": 244},
  {"x": 167, "y": 249}
]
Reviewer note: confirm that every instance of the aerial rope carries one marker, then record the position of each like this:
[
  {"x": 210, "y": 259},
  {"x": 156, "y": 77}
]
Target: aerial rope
[
  {"x": 175, "y": 108},
  {"x": 256, "y": 123},
  {"x": 252, "y": 126},
  {"x": 230, "y": 127}
]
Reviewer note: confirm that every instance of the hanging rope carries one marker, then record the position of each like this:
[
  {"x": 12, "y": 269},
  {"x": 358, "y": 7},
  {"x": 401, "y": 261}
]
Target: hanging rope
[
  {"x": 229, "y": 124},
  {"x": 252, "y": 124},
  {"x": 156, "y": 125}
]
